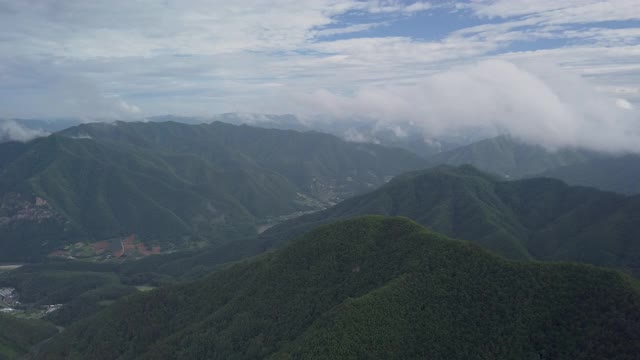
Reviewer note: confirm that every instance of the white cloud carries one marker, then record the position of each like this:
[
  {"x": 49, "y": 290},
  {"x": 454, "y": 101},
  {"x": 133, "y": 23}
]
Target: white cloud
[
  {"x": 536, "y": 102},
  {"x": 119, "y": 28},
  {"x": 347, "y": 29},
  {"x": 624, "y": 104},
  {"x": 42, "y": 89},
  {"x": 12, "y": 131},
  {"x": 559, "y": 12},
  {"x": 418, "y": 6},
  {"x": 129, "y": 59}
]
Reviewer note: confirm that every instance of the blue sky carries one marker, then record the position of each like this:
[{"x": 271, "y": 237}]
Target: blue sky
[{"x": 443, "y": 64}]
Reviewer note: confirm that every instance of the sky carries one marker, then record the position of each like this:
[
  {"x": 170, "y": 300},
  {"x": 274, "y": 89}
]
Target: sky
[{"x": 558, "y": 73}]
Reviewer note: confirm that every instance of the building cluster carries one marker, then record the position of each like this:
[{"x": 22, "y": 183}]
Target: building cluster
[{"x": 8, "y": 296}]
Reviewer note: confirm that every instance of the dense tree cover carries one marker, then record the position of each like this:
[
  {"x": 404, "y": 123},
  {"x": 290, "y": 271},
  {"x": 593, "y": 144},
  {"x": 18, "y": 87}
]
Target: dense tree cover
[
  {"x": 170, "y": 183},
  {"x": 372, "y": 287},
  {"x": 541, "y": 219},
  {"x": 17, "y": 336},
  {"x": 527, "y": 219},
  {"x": 83, "y": 288},
  {"x": 88, "y": 303},
  {"x": 43, "y": 285}
]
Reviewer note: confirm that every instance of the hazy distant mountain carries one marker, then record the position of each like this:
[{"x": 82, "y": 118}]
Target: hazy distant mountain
[
  {"x": 408, "y": 137},
  {"x": 173, "y": 184},
  {"x": 512, "y": 159},
  {"x": 614, "y": 173},
  {"x": 50, "y": 125},
  {"x": 509, "y": 158},
  {"x": 373, "y": 287},
  {"x": 540, "y": 219}
]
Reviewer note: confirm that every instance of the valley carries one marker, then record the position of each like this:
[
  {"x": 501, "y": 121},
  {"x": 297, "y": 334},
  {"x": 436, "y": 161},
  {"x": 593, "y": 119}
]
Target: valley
[{"x": 173, "y": 186}]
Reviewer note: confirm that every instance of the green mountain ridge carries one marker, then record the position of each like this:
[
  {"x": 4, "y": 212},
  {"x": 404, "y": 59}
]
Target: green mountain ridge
[
  {"x": 542, "y": 219},
  {"x": 174, "y": 184},
  {"x": 372, "y": 287},
  {"x": 532, "y": 219},
  {"x": 319, "y": 164},
  {"x": 17, "y": 336}
]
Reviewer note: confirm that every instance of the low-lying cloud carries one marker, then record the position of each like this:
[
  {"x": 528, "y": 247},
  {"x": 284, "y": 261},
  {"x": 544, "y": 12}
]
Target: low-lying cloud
[
  {"x": 12, "y": 131},
  {"x": 536, "y": 102}
]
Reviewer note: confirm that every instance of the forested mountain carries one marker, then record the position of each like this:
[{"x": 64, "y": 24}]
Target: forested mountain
[
  {"x": 615, "y": 173},
  {"x": 320, "y": 165},
  {"x": 149, "y": 187},
  {"x": 17, "y": 336},
  {"x": 542, "y": 219},
  {"x": 539, "y": 219},
  {"x": 372, "y": 287},
  {"x": 509, "y": 158}
]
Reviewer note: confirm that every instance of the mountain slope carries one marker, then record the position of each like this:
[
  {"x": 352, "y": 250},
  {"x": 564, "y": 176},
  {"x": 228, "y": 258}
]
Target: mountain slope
[
  {"x": 508, "y": 158},
  {"x": 17, "y": 336},
  {"x": 170, "y": 185},
  {"x": 372, "y": 288},
  {"x": 540, "y": 219},
  {"x": 321, "y": 165}
]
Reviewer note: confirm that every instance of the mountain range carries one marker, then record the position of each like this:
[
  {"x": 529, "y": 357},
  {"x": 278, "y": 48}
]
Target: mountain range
[
  {"x": 242, "y": 272},
  {"x": 529, "y": 219},
  {"x": 171, "y": 185},
  {"x": 501, "y": 155}
]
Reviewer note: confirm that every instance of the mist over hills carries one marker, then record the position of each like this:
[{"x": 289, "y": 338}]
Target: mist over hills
[
  {"x": 502, "y": 155},
  {"x": 620, "y": 174},
  {"x": 356, "y": 130},
  {"x": 510, "y": 158},
  {"x": 172, "y": 184},
  {"x": 407, "y": 137},
  {"x": 377, "y": 288}
]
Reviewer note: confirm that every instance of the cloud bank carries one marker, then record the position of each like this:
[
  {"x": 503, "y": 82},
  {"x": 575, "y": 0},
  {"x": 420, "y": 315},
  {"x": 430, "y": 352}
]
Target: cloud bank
[
  {"x": 396, "y": 62},
  {"x": 536, "y": 102},
  {"x": 12, "y": 131}
]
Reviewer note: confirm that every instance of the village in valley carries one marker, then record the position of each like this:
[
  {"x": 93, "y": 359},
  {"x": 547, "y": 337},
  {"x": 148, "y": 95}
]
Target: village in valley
[
  {"x": 8, "y": 299},
  {"x": 10, "y": 304}
]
